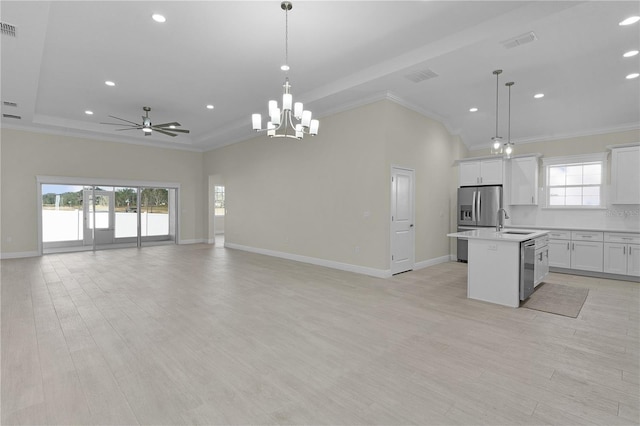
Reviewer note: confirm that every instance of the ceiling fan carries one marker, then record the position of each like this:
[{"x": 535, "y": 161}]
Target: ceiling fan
[{"x": 147, "y": 127}]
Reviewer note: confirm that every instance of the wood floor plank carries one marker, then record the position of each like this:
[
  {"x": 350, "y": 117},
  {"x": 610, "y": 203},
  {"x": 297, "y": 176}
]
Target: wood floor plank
[{"x": 206, "y": 335}]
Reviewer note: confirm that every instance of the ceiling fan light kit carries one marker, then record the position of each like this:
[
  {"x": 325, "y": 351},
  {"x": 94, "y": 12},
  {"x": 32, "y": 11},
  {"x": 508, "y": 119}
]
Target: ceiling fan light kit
[
  {"x": 292, "y": 121},
  {"x": 147, "y": 126}
]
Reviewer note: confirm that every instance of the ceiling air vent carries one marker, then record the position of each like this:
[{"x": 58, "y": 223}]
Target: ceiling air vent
[
  {"x": 9, "y": 104},
  {"x": 519, "y": 40},
  {"x": 16, "y": 117},
  {"x": 7, "y": 29},
  {"x": 422, "y": 75}
]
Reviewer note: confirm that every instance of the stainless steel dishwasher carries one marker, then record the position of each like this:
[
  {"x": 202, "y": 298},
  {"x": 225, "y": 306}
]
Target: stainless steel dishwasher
[{"x": 534, "y": 264}]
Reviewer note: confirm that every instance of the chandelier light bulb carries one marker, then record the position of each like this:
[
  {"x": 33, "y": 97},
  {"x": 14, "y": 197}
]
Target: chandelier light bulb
[{"x": 285, "y": 67}]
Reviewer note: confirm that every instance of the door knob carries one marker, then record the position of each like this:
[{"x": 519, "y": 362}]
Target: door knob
[{"x": 411, "y": 226}]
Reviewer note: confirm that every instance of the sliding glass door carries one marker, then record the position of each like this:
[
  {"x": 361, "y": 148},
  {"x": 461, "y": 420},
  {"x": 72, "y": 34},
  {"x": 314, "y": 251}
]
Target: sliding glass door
[{"x": 95, "y": 217}]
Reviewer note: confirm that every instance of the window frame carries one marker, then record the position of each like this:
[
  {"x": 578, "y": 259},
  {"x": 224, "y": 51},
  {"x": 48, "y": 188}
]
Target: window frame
[{"x": 575, "y": 160}]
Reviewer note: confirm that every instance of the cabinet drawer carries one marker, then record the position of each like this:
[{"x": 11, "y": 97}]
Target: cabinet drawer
[
  {"x": 586, "y": 236},
  {"x": 617, "y": 237},
  {"x": 559, "y": 235}
]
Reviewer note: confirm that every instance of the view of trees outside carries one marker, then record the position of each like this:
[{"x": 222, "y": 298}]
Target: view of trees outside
[{"x": 63, "y": 212}]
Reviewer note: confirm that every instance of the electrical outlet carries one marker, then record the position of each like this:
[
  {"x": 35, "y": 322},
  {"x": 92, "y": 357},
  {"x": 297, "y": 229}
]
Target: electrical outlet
[{"x": 492, "y": 247}]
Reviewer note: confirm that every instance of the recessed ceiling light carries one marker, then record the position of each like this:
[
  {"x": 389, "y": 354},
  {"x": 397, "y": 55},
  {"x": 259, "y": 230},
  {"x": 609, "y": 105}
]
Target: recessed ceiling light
[
  {"x": 630, "y": 53},
  {"x": 474, "y": 109},
  {"x": 209, "y": 106},
  {"x": 109, "y": 83},
  {"x": 88, "y": 112},
  {"x": 630, "y": 20},
  {"x": 158, "y": 18},
  {"x": 285, "y": 67},
  {"x": 538, "y": 95},
  {"x": 632, "y": 76}
]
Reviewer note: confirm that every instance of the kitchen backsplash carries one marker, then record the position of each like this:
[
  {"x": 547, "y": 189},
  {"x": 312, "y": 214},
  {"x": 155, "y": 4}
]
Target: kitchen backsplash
[{"x": 614, "y": 217}]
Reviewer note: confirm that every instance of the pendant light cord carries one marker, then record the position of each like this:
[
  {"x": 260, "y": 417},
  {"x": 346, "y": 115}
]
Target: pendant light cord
[
  {"x": 497, "y": 73},
  {"x": 509, "y": 127}
]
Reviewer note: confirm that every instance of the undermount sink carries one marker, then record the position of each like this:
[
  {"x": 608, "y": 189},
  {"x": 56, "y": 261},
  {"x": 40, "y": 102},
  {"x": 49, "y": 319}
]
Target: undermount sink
[{"x": 516, "y": 232}]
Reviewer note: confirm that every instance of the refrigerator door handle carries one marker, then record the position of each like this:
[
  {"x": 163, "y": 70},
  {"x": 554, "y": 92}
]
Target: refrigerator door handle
[
  {"x": 478, "y": 215},
  {"x": 473, "y": 208}
]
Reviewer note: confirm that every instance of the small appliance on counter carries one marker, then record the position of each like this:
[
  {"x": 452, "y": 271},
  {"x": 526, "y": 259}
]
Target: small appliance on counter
[{"x": 477, "y": 208}]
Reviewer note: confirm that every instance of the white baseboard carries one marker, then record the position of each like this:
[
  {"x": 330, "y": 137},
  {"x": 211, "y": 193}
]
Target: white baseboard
[
  {"x": 19, "y": 255},
  {"x": 432, "y": 262},
  {"x": 194, "y": 241},
  {"x": 378, "y": 273}
]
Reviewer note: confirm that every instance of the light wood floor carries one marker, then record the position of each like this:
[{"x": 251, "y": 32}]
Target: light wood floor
[{"x": 204, "y": 335}]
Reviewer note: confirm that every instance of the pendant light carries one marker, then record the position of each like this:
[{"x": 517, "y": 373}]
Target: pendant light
[
  {"x": 508, "y": 147},
  {"x": 292, "y": 121},
  {"x": 496, "y": 141}
]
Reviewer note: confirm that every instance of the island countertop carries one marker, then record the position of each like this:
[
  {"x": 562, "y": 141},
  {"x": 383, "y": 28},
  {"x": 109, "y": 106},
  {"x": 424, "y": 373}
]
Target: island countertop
[{"x": 507, "y": 235}]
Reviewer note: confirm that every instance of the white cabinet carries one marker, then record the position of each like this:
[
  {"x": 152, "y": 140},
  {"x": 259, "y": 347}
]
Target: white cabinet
[
  {"x": 622, "y": 254},
  {"x": 523, "y": 182},
  {"x": 587, "y": 251},
  {"x": 586, "y": 256},
  {"x": 560, "y": 253},
  {"x": 625, "y": 175},
  {"x": 481, "y": 172}
]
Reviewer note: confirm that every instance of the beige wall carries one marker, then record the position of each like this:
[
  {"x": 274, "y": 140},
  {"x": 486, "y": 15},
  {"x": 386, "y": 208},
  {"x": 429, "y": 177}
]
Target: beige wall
[
  {"x": 328, "y": 197},
  {"x": 24, "y": 155}
]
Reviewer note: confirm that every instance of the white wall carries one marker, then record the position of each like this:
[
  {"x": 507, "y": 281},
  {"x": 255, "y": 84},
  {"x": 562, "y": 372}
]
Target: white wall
[
  {"x": 612, "y": 217},
  {"x": 328, "y": 197},
  {"x": 25, "y": 155}
]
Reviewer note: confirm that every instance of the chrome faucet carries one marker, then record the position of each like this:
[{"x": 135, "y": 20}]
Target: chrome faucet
[{"x": 499, "y": 221}]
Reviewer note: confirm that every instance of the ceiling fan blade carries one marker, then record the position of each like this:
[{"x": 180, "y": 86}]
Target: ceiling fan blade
[
  {"x": 130, "y": 128},
  {"x": 170, "y": 130},
  {"x": 119, "y": 124},
  {"x": 164, "y": 132},
  {"x": 118, "y": 118},
  {"x": 168, "y": 124}
]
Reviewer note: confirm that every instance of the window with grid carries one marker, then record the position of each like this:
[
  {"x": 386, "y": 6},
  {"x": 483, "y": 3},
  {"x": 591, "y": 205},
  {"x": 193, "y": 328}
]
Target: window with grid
[
  {"x": 575, "y": 182},
  {"x": 218, "y": 200}
]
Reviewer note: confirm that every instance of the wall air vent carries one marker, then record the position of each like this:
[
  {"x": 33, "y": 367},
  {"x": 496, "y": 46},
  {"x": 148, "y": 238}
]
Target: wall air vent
[
  {"x": 519, "y": 40},
  {"x": 421, "y": 75},
  {"x": 7, "y": 29},
  {"x": 9, "y": 104},
  {"x": 15, "y": 117}
]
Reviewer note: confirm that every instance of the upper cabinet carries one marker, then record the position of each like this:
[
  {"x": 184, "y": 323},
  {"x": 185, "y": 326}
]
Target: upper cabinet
[
  {"x": 523, "y": 181},
  {"x": 625, "y": 175},
  {"x": 481, "y": 172}
]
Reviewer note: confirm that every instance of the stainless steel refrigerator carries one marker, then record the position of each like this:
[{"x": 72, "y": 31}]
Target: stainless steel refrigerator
[{"x": 477, "y": 207}]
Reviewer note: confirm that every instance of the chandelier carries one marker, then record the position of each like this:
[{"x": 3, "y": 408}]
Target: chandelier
[
  {"x": 496, "y": 141},
  {"x": 292, "y": 121},
  {"x": 508, "y": 147}
]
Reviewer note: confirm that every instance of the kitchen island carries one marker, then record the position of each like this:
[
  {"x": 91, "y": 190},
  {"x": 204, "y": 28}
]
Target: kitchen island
[{"x": 494, "y": 265}]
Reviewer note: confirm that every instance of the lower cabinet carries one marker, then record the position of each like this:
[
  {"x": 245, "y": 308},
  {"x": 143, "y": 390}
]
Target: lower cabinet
[
  {"x": 586, "y": 255},
  {"x": 560, "y": 253},
  {"x": 609, "y": 252},
  {"x": 622, "y": 259}
]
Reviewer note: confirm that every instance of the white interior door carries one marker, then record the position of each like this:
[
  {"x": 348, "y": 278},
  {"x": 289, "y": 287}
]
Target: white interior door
[{"x": 402, "y": 220}]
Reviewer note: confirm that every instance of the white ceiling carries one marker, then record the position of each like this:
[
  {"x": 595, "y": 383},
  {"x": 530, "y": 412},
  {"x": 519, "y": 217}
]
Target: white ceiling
[{"x": 342, "y": 54}]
